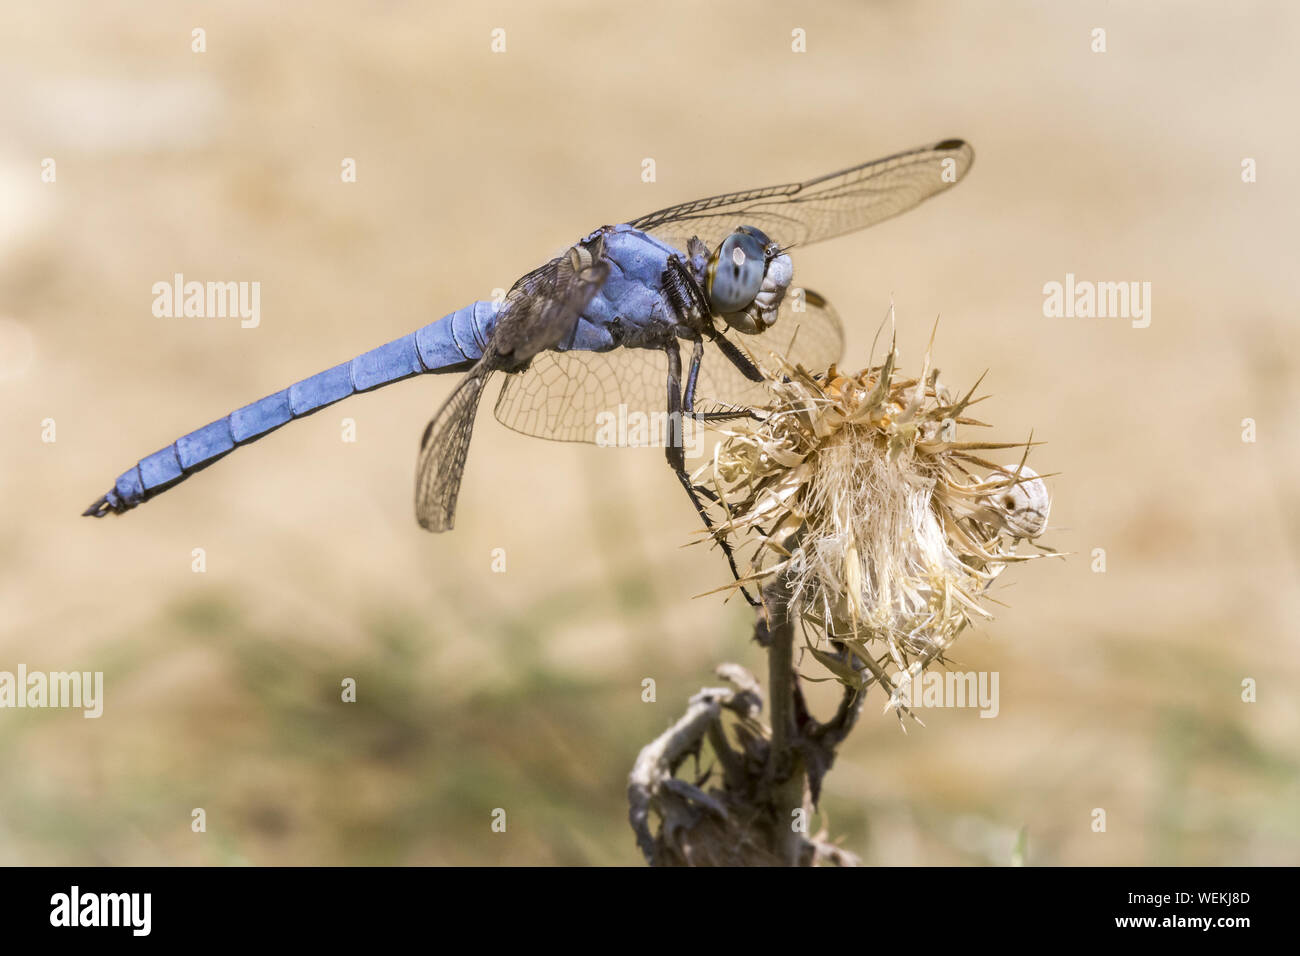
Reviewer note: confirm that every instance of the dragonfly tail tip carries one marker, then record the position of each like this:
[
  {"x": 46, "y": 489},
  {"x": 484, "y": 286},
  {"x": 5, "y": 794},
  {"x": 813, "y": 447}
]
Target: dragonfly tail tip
[{"x": 100, "y": 507}]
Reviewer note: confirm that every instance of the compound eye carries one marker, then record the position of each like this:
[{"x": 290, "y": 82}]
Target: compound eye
[
  {"x": 770, "y": 249},
  {"x": 736, "y": 272}
]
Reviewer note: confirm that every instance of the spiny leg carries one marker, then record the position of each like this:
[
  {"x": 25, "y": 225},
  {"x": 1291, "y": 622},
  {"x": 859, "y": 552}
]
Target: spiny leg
[
  {"x": 675, "y": 451},
  {"x": 688, "y": 408},
  {"x": 720, "y": 416}
]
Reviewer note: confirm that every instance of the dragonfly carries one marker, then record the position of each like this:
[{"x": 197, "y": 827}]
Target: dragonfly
[{"x": 602, "y": 327}]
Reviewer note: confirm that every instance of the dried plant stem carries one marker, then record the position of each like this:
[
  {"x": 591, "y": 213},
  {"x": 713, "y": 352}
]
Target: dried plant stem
[
  {"x": 768, "y": 776},
  {"x": 877, "y": 530},
  {"x": 785, "y": 766}
]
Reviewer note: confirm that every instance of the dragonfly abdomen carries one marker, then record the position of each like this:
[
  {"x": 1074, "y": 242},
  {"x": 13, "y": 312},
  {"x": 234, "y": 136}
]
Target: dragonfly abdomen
[{"x": 449, "y": 344}]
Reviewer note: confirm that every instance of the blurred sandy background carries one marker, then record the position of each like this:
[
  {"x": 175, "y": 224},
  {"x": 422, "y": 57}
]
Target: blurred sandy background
[{"x": 522, "y": 690}]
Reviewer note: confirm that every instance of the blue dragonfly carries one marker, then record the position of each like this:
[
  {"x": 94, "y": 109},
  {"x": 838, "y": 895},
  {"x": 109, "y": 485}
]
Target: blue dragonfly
[{"x": 600, "y": 327}]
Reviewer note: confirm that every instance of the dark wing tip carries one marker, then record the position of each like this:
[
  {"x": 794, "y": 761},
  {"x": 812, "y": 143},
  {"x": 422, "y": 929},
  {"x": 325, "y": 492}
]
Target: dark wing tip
[{"x": 949, "y": 144}]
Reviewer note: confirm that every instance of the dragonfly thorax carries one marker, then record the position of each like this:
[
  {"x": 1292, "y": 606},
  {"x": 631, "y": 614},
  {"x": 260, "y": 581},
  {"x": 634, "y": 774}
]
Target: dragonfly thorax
[{"x": 746, "y": 279}]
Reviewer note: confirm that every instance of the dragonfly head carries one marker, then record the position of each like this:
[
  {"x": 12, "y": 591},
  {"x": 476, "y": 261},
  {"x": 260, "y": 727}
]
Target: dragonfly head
[{"x": 746, "y": 280}]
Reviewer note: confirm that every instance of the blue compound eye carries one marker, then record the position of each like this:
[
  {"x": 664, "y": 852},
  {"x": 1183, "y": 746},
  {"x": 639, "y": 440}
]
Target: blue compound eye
[{"x": 736, "y": 272}]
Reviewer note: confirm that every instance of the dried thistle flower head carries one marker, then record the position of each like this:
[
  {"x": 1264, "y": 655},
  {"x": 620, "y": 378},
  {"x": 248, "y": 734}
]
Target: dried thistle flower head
[{"x": 883, "y": 526}]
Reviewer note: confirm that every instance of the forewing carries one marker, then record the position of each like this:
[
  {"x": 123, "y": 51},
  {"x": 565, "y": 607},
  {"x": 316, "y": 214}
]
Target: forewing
[
  {"x": 821, "y": 208},
  {"x": 541, "y": 309}
]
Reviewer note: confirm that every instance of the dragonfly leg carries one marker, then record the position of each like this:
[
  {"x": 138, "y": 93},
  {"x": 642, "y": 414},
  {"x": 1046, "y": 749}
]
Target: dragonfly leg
[
  {"x": 688, "y": 398},
  {"x": 688, "y": 403},
  {"x": 738, "y": 358},
  {"x": 727, "y": 415},
  {"x": 675, "y": 451}
]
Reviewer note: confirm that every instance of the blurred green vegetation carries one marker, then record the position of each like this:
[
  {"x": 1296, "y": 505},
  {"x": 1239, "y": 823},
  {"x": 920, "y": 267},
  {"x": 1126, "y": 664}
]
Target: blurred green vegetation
[
  {"x": 289, "y": 773},
  {"x": 412, "y": 772}
]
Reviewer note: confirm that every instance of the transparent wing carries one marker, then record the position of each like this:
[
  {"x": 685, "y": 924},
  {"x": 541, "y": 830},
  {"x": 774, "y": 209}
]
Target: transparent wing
[
  {"x": 541, "y": 308},
  {"x": 807, "y": 332},
  {"x": 539, "y": 312},
  {"x": 443, "y": 450},
  {"x": 563, "y": 395},
  {"x": 572, "y": 396},
  {"x": 821, "y": 208}
]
